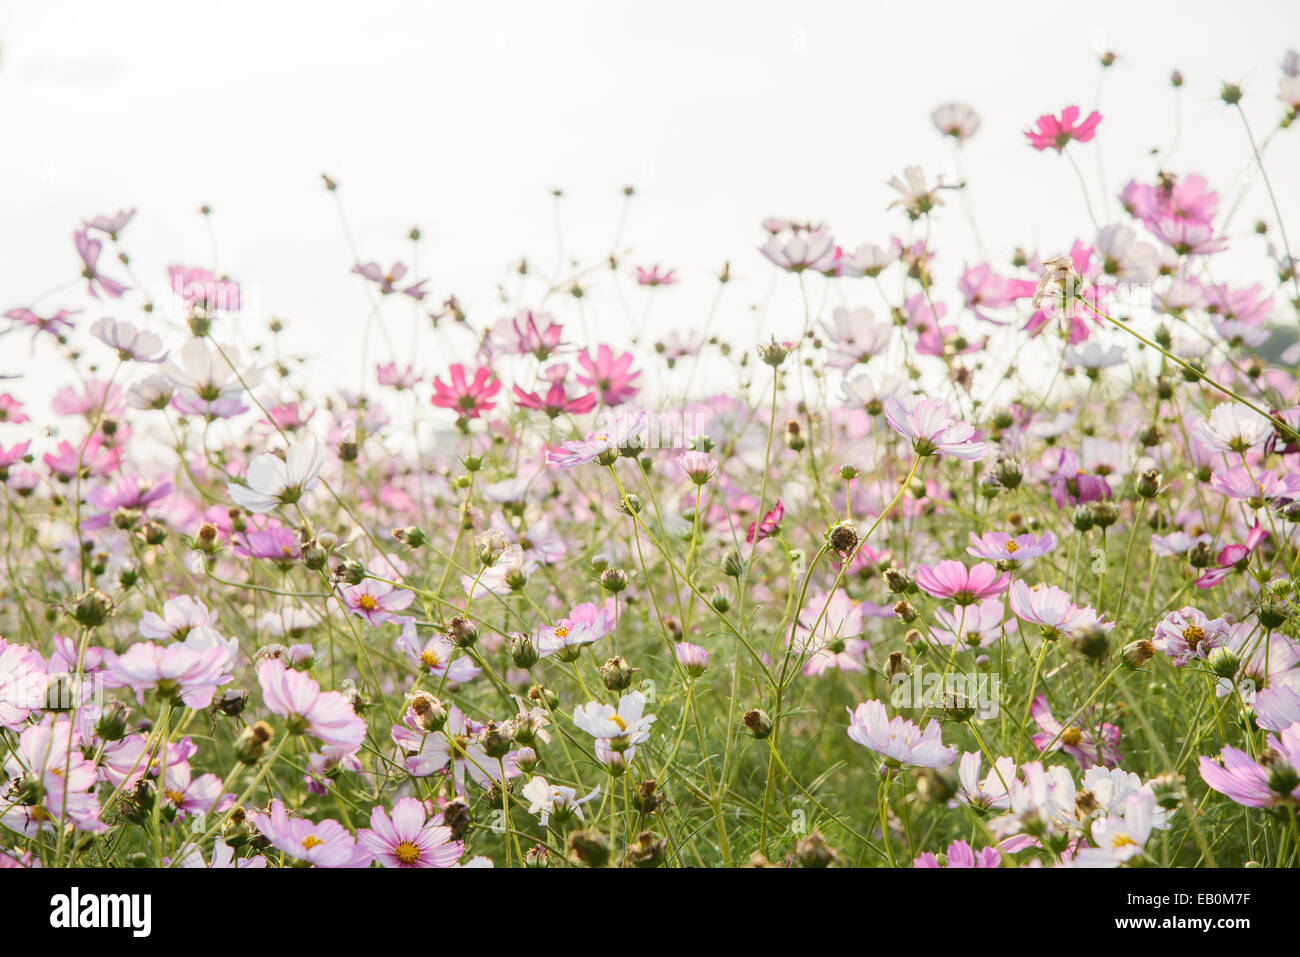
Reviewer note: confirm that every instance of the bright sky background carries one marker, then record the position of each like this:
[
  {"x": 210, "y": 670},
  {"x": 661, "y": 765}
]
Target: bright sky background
[{"x": 461, "y": 117}]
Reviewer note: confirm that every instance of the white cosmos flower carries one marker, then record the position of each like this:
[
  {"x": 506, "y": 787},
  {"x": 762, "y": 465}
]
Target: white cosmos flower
[
  {"x": 273, "y": 481},
  {"x": 1090, "y": 355},
  {"x": 1126, "y": 257},
  {"x": 956, "y": 120},
  {"x": 547, "y": 799},
  {"x": 1232, "y": 428},
  {"x": 130, "y": 342},
  {"x": 628, "y": 723}
]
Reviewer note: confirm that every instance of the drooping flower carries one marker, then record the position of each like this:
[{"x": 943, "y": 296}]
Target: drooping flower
[
  {"x": 552, "y": 800},
  {"x": 387, "y": 281},
  {"x": 768, "y": 526},
  {"x": 128, "y": 341},
  {"x": 957, "y": 120},
  {"x": 96, "y": 282}
]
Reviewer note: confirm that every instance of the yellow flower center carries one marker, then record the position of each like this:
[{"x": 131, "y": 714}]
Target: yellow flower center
[
  {"x": 176, "y": 796},
  {"x": 1122, "y": 840},
  {"x": 562, "y": 631},
  {"x": 406, "y": 853},
  {"x": 429, "y": 659},
  {"x": 1193, "y": 635},
  {"x": 622, "y": 725},
  {"x": 1012, "y": 546},
  {"x": 1072, "y": 736},
  {"x": 367, "y": 602},
  {"x": 310, "y": 841}
]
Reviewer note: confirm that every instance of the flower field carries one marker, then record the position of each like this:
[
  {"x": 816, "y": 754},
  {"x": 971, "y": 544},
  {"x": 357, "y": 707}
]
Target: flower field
[{"x": 982, "y": 564}]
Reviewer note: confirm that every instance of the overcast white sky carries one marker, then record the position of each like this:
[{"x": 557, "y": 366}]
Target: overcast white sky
[{"x": 460, "y": 117}]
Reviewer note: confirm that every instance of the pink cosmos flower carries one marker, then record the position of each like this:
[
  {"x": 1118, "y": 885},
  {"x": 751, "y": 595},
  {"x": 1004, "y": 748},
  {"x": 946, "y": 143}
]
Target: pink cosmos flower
[
  {"x": 951, "y": 579},
  {"x": 327, "y": 844},
  {"x": 389, "y": 375},
  {"x": 375, "y": 601},
  {"x": 557, "y": 400},
  {"x": 1250, "y": 783},
  {"x": 11, "y": 410},
  {"x": 200, "y": 287},
  {"x": 653, "y": 277},
  {"x": 189, "y": 670},
  {"x": 1187, "y": 238},
  {"x": 607, "y": 375},
  {"x": 111, "y": 225},
  {"x": 960, "y": 854},
  {"x": 973, "y": 625},
  {"x": 23, "y": 683},
  {"x": 603, "y": 446},
  {"x": 585, "y": 623},
  {"x": 1189, "y": 633},
  {"x": 386, "y": 281},
  {"x": 55, "y": 325},
  {"x": 1255, "y": 490},
  {"x": 1017, "y": 552},
  {"x": 812, "y": 249},
  {"x": 438, "y": 655},
  {"x": 1049, "y": 607},
  {"x": 829, "y": 634},
  {"x": 697, "y": 466},
  {"x": 1277, "y": 708},
  {"x": 1233, "y": 557},
  {"x": 528, "y": 333},
  {"x": 88, "y": 250},
  {"x": 768, "y": 526},
  {"x": 983, "y": 290},
  {"x": 1053, "y": 133},
  {"x": 129, "y": 493},
  {"x": 128, "y": 341},
  {"x": 94, "y": 458},
  {"x": 899, "y": 741},
  {"x": 468, "y": 399},
  {"x": 1078, "y": 740},
  {"x": 429, "y": 752},
  {"x": 1188, "y": 197},
  {"x": 933, "y": 430},
  {"x": 49, "y": 765},
  {"x": 327, "y": 715},
  {"x": 409, "y": 838}
]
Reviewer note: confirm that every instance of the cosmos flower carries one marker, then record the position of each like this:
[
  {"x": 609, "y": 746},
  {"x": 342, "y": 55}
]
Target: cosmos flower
[
  {"x": 1049, "y": 607},
  {"x": 813, "y": 250},
  {"x": 1078, "y": 740},
  {"x": 551, "y": 800},
  {"x": 960, "y": 855},
  {"x": 468, "y": 399},
  {"x": 611, "y": 377},
  {"x": 965, "y": 586},
  {"x": 387, "y": 281},
  {"x": 128, "y": 341},
  {"x": 272, "y": 481},
  {"x": 957, "y": 120},
  {"x": 295, "y": 696},
  {"x": 900, "y": 742},
  {"x": 1053, "y": 133},
  {"x": 375, "y": 601},
  {"x": 933, "y": 430},
  {"x": 1253, "y": 783},
  {"x": 621, "y": 726},
  {"x": 1019, "y": 551},
  {"x": 1189, "y": 633},
  {"x": 327, "y": 844},
  {"x": 409, "y": 837}
]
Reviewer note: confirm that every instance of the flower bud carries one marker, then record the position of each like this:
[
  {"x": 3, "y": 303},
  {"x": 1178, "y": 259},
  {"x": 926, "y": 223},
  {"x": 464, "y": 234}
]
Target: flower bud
[
  {"x": 1223, "y": 662},
  {"x": 905, "y": 611},
  {"x": 1091, "y": 643},
  {"x": 646, "y": 851},
  {"x": 93, "y": 609},
  {"x": 897, "y": 581},
  {"x": 842, "y": 537},
  {"x": 252, "y": 741},
  {"x": 588, "y": 848},
  {"x": 431, "y": 712},
  {"x": 1104, "y": 514},
  {"x": 613, "y": 580},
  {"x": 544, "y": 696},
  {"x": 462, "y": 632},
  {"x": 1137, "y": 653},
  {"x": 617, "y": 673},
  {"x": 757, "y": 723},
  {"x": 526, "y": 760},
  {"x": 111, "y": 725},
  {"x": 1148, "y": 483},
  {"x": 646, "y": 798},
  {"x": 410, "y": 536},
  {"x": 522, "y": 651},
  {"x": 493, "y": 740},
  {"x": 732, "y": 565}
]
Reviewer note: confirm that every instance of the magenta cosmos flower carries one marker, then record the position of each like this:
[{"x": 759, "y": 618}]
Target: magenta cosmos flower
[
  {"x": 409, "y": 838},
  {"x": 375, "y": 601},
  {"x": 960, "y": 854},
  {"x": 933, "y": 430},
  {"x": 557, "y": 400},
  {"x": 295, "y": 696},
  {"x": 1054, "y": 133},
  {"x": 768, "y": 526},
  {"x": 1233, "y": 557},
  {"x": 387, "y": 281},
  {"x": 603, "y": 446},
  {"x": 899, "y": 742},
  {"x": 608, "y": 376},
  {"x": 88, "y": 250},
  {"x": 1253, "y": 784},
  {"x": 327, "y": 844},
  {"x": 654, "y": 276},
  {"x": 469, "y": 399},
  {"x": 951, "y": 579}
]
